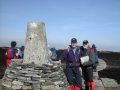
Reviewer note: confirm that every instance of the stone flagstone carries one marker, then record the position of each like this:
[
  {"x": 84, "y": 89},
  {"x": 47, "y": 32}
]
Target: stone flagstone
[
  {"x": 109, "y": 82},
  {"x": 99, "y": 85},
  {"x": 95, "y": 76}
]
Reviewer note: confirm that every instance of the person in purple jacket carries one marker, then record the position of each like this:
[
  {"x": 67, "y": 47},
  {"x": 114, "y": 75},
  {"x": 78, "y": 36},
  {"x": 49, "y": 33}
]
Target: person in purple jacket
[{"x": 73, "y": 73}]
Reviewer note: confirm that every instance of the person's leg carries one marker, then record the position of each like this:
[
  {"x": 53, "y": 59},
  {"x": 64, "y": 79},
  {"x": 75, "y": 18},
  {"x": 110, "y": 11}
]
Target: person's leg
[
  {"x": 69, "y": 75},
  {"x": 87, "y": 84},
  {"x": 8, "y": 61},
  {"x": 89, "y": 71},
  {"x": 90, "y": 77},
  {"x": 92, "y": 86},
  {"x": 78, "y": 79},
  {"x": 85, "y": 77},
  {"x": 95, "y": 67}
]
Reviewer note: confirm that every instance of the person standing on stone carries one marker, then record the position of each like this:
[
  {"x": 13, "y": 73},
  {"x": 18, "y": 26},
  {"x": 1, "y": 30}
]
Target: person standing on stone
[
  {"x": 49, "y": 52},
  {"x": 87, "y": 65},
  {"x": 11, "y": 53},
  {"x": 96, "y": 57},
  {"x": 73, "y": 73},
  {"x": 54, "y": 54},
  {"x": 22, "y": 51}
]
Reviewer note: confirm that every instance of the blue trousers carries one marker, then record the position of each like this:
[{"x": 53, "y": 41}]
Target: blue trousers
[{"x": 74, "y": 76}]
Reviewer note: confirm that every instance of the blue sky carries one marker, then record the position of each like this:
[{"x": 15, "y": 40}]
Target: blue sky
[{"x": 95, "y": 20}]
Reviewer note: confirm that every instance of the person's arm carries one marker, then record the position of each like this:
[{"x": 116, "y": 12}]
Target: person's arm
[
  {"x": 91, "y": 59},
  {"x": 49, "y": 53},
  {"x": 17, "y": 52},
  {"x": 62, "y": 57},
  {"x": 6, "y": 54}
]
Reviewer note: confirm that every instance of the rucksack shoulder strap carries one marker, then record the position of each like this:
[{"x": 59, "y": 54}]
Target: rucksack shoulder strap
[
  {"x": 89, "y": 51},
  {"x": 78, "y": 49}
]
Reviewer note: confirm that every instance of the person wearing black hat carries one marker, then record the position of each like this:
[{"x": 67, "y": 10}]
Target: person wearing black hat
[
  {"x": 96, "y": 57},
  {"x": 73, "y": 73},
  {"x": 12, "y": 53},
  {"x": 87, "y": 62}
]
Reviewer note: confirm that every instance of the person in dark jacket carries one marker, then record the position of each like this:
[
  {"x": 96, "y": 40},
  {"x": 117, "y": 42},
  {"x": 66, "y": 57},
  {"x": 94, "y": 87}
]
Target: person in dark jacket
[
  {"x": 96, "y": 57},
  {"x": 72, "y": 65},
  {"x": 54, "y": 54},
  {"x": 87, "y": 67}
]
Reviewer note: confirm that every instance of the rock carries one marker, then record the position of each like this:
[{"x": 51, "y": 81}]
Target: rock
[
  {"x": 11, "y": 76},
  {"x": 36, "y": 85},
  {"x": 7, "y": 83},
  {"x": 26, "y": 87},
  {"x": 48, "y": 87},
  {"x": 99, "y": 85},
  {"x": 19, "y": 68},
  {"x": 21, "y": 78},
  {"x": 109, "y": 82},
  {"x": 99, "y": 88},
  {"x": 14, "y": 71},
  {"x": 29, "y": 69},
  {"x": 16, "y": 87},
  {"x": 42, "y": 81},
  {"x": 36, "y": 44},
  {"x": 26, "y": 76},
  {"x": 95, "y": 75},
  {"x": 58, "y": 83},
  {"x": 17, "y": 83},
  {"x": 24, "y": 71}
]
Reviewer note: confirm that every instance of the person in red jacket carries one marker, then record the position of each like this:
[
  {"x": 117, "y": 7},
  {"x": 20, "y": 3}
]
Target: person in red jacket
[{"x": 11, "y": 53}]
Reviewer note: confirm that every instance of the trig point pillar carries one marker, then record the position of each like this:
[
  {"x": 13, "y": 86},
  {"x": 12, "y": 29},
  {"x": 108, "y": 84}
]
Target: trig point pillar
[{"x": 36, "y": 44}]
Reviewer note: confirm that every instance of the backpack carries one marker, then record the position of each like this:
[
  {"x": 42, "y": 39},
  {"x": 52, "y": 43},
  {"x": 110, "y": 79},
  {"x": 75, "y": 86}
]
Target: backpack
[
  {"x": 89, "y": 51},
  {"x": 92, "y": 50},
  {"x": 11, "y": 53},
  {"x": 96, "y": 56},
  {"x": 54, "y": 55}
]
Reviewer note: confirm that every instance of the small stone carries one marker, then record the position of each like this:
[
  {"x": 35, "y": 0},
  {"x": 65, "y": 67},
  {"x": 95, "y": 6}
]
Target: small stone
[
  {"x": 7, "y": 83},
  {"x": 29, "y": 69},
  {"x": 48, "y": 87},
  {"x": 35, "y": 79},
  {"x": 14, "y": 71},
  {"x": 26, "y": 87},
  {"x": 36, "y": 86},
  {"x": 18, "y": 67},
  {"x": 28, "y": 81},
  {"x": 12, "y": 76},
  {"x": 58, "y": 82},
  {"x": 7, "y": 71},
  {"x": 17, "y": 83},
  {"x": 22, "y": 78},
  {"x": 14, "y": 87},
  {"x": 48, "y": 82},
  {"x": 36, "y": 76},
  {"x": 42, "y": 81},
  {"x": 29, "y": 75},
  {"x": 23, "y": 71}
]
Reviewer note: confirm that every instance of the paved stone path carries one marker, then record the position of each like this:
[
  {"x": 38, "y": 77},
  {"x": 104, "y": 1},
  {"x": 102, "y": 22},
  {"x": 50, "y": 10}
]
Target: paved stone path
[
  {"x": 104, "y": 83},
  {"x": 98, "y": 83}
]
